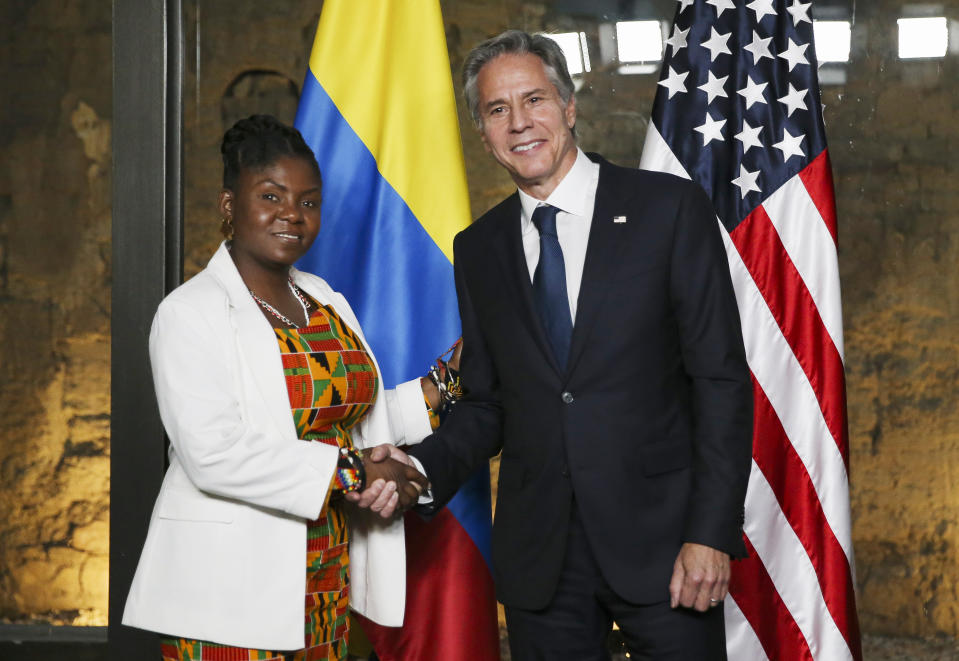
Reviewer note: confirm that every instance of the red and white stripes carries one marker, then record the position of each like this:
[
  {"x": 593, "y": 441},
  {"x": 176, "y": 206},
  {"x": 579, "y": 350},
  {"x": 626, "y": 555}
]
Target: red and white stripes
[{"x": 793, "y": 597}]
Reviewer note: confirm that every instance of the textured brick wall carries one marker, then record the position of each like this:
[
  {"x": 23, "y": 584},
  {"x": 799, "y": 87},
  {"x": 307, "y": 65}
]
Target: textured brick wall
[
  {"x": 894, "y": 137},
  {"x": 54, "y": 310}
]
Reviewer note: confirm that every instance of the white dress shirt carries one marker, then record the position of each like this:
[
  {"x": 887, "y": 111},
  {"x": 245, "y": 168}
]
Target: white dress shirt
[{"x": 575, "y": 197}]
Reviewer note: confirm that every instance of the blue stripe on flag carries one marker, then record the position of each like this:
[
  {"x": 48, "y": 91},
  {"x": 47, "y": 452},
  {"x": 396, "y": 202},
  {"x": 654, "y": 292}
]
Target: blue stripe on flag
[
  {"x": 380, "y": 232},
  {"x": 404, "y": 274}
]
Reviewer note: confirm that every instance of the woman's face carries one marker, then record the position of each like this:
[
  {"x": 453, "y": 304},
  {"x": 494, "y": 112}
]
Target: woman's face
[{"x": 275, "y": 212}]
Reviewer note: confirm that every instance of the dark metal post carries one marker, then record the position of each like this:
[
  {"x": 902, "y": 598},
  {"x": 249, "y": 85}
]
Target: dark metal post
[{"x": 147, "y": 262}]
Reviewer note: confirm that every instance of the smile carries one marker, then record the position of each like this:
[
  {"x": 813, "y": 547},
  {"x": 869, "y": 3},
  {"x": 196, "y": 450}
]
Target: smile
[
  {"x": 528, "y": 146},
  {"x": 288, "y": 237}
]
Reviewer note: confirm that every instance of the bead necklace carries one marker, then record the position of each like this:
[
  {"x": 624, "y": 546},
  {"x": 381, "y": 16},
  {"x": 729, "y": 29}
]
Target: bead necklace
[{"x": 279, "y": 315}]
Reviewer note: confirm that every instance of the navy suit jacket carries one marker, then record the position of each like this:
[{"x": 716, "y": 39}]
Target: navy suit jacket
[{"x": 647, "y": 431}]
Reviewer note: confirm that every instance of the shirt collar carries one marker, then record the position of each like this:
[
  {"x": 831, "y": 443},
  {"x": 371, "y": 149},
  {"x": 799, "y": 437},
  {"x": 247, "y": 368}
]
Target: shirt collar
[{"x": 570, "y": 195}]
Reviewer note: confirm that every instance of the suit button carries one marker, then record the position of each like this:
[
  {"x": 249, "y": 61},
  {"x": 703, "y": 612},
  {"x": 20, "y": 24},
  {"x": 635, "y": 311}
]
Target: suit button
[{"x": 567, "y": 397}]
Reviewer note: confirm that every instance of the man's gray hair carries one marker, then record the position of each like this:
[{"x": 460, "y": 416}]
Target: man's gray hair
[{"x": 515, "y": 42}]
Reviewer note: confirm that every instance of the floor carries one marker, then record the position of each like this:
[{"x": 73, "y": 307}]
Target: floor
[
  {"x": 875, "y": 648},
  {"x": 881, "y": 648}
]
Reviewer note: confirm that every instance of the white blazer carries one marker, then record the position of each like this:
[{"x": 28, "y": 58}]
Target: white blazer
[{"x": 224, "y": 559}]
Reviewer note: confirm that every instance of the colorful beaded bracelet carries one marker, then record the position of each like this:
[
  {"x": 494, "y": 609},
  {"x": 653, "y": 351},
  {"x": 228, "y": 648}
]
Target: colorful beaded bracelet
[
  {"x": 350, "y": 473},
  {"x": 447, "y": 381}
]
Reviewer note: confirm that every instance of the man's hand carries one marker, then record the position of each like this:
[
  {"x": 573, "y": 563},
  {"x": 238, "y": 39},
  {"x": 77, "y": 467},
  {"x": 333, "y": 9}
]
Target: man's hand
[
  {"x": 700, "y": 577},
  {"x": 393, "y": 484}
]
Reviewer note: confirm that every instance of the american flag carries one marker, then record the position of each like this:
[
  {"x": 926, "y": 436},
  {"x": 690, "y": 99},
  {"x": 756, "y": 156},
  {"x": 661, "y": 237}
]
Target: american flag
[{"x": 738, "y": 110}]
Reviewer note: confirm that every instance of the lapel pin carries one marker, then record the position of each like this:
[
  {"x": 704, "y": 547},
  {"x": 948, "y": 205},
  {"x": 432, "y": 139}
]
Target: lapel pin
[{"x": 619, "y": 219}]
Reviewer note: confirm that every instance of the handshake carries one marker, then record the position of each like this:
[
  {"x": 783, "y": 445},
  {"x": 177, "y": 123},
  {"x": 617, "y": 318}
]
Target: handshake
[{"x": 392, "y": 482}]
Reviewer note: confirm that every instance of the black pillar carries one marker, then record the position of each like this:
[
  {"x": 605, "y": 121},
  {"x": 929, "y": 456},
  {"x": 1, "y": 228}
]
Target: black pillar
[{"x": 147, "y": 262}]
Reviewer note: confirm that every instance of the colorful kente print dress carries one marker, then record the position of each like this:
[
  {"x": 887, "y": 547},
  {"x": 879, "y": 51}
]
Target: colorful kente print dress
[{"x": 332, "y": 383}]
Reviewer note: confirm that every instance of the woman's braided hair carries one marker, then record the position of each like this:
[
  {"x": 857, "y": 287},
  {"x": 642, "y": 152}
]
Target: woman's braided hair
[{"x": 257, "y": 142}]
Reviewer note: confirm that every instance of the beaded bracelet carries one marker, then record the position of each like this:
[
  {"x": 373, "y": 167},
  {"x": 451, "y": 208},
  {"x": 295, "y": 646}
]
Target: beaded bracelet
[
  {"x": 433, "y": 415},
  {"x": 350, "y": 473},
  {"x": 447, "y": 382}
]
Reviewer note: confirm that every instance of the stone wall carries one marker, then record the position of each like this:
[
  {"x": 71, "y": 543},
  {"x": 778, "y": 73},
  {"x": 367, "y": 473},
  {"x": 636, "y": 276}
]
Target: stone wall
[
  {"x": 894, "y": 137},
  {"x": 891, "y": 128},
  {"x": 54, "y": 310}
]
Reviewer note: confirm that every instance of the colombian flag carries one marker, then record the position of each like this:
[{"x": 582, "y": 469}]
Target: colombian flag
[{"x": 378, "y": 110}]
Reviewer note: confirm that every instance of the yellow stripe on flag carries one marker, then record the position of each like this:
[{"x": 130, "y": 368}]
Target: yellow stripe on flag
[{"x": 385, "y": 65}]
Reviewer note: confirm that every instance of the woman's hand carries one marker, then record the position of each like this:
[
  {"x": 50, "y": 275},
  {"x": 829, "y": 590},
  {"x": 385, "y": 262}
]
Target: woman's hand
[{"x": 392, "y": 483}]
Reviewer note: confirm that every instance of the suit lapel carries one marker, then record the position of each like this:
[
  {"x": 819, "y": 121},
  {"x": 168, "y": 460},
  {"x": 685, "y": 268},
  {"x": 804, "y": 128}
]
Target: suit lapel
[
  {"x": 507, "y": 243},
  {"x": 603, "y": 255}
]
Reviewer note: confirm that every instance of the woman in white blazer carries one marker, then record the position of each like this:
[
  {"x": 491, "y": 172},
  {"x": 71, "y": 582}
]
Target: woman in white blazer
[{"x": 224, "y": 563}]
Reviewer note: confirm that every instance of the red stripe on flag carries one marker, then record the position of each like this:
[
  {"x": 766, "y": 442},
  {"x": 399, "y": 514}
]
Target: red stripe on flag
[
  {"x": 817, "y": 178},
  {"x": 798, "y": 317},
  {"x": 447, "y": 583},
  {"x": 765, "y": 610},
  {"x": 790, "y": 481}
]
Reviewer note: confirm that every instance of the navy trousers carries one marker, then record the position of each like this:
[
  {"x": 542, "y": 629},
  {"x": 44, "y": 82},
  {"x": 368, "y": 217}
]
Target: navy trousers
[{"x": 578, "y": 620}]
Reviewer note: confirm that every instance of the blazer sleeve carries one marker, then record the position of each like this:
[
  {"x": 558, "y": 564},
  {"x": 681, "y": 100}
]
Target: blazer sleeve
[
  {"x": 472, "y": 432},
  {"x": 409, "y": 420},
  {"x": 214, "y": 433},
  {"x": 711, "y": 342}
]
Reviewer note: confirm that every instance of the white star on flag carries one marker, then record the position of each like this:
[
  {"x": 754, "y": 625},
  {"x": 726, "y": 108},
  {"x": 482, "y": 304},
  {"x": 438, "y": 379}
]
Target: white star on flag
[
  {"x": 675, "y": 82},
  {"x": 716, "y": 44},
  {"x": 684, "y": 3},
  {"x": 790, "y": 145},
  {"x": 793, "y": 100},
  {"x": 759, "y": 47},
  {"x": 799, "y": 11},
  {"x": 714, "y": 87},
  {"x": 721, "y": 5},
  {"x": 794, "y": 54},
  {"x": 678, "y": 40},
  {"x": 762, "y": 8},
  {"x": 712, "y": 129},
  {"x": 753, "y": 92},
  {"x": 749, "y": 136},
  {"x": 746, "y": 181}
]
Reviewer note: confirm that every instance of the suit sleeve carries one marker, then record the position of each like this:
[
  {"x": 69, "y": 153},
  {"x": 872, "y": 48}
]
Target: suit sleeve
[
  {"x": 472, "y": 432},
  {"x": 714, "y": 358}
]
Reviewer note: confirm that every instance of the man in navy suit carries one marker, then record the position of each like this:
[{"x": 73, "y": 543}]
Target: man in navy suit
[{"x": 604, "y": 359}]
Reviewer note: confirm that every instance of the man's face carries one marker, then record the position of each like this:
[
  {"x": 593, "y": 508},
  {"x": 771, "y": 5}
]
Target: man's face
[{"x": 525, "y": 124}]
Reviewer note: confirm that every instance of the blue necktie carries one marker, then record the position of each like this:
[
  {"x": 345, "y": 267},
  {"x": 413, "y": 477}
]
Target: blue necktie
[{"x": 549, "y": 285}]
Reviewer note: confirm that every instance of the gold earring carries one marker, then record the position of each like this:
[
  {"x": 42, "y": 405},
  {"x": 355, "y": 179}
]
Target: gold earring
[{"x": 226, "y": 227}]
